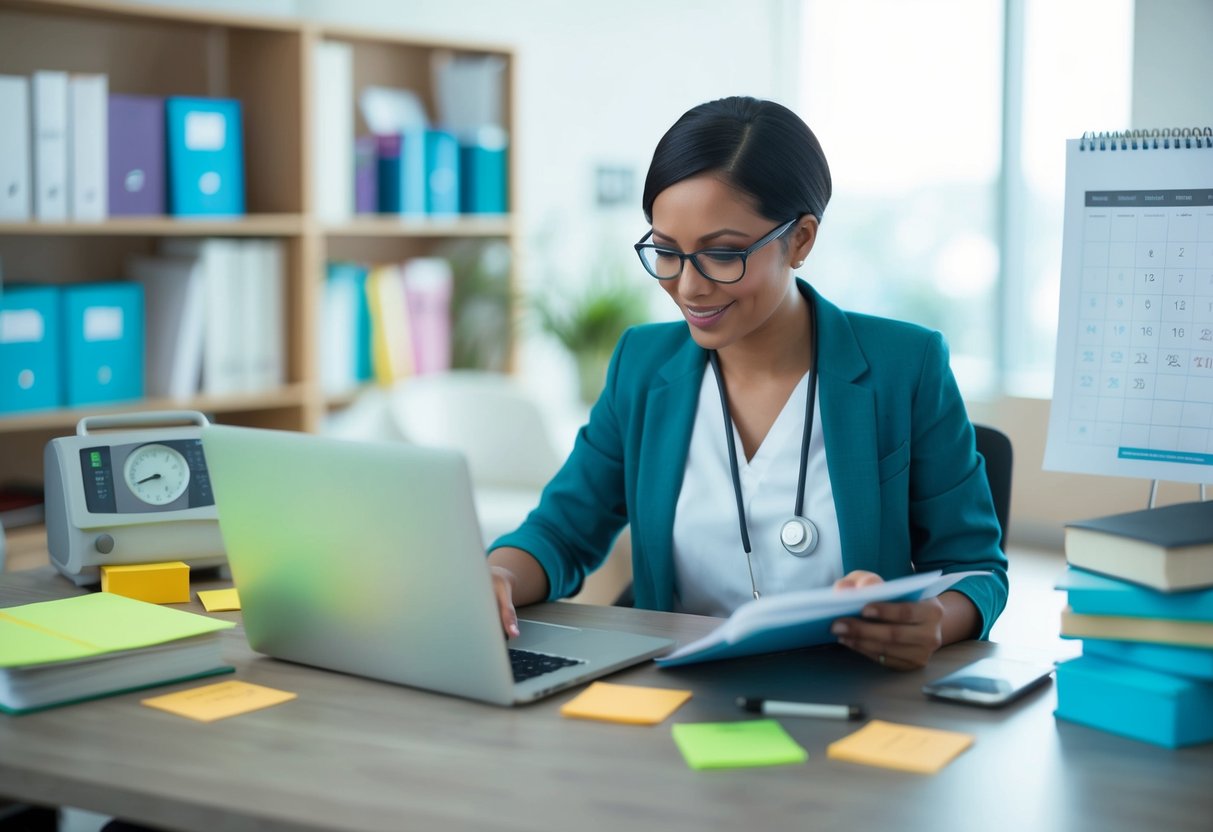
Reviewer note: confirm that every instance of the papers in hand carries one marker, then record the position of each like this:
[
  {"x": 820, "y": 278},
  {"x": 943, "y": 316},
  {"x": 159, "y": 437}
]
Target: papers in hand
[{"x": 802, "y": 619}]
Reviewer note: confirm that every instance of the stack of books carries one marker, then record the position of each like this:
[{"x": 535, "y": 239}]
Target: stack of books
[
  {"x": 1140, "y": 596},
  {"x": 73, "y": 649}
]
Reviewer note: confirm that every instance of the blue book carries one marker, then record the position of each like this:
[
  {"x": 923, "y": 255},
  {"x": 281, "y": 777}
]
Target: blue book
[
  {"x": 482, "y": 173},
  {"x": 1094, "y": 594},
  {"x": 388, "y": 199},
  {"x": 205, "y": 156},
  {"x": 30, "y": 344},
  {"x": 103, "y": 342},
  {"x": 428, "y": 174},
  {"x": 1159, "y": 708},
  {"x": 1193, "y": 662}
]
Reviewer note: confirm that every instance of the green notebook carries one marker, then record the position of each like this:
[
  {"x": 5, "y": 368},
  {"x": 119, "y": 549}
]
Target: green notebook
[{"x": 56, "y": 652}]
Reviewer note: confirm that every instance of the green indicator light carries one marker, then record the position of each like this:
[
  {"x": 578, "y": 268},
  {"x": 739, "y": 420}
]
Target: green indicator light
[{"x": 95, "y": 456}]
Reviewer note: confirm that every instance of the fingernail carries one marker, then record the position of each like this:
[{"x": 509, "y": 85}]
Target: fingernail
[
  {"x": 514, "y": 629},
  {"x": 839, "y": 629}
]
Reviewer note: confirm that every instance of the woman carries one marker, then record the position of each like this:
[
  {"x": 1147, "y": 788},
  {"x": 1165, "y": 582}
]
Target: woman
[{"x": 848, "y": 457}]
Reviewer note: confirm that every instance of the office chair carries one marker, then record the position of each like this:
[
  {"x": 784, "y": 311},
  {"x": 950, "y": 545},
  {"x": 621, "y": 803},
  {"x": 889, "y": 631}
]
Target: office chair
[{"x": 995, "y": 447}]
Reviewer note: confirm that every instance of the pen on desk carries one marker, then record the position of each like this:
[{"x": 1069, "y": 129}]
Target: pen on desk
[{"x": 773, "y": 707}]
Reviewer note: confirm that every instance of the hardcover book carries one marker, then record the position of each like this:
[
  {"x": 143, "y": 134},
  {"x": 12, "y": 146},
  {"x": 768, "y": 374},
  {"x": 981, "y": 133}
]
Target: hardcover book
[{"x": 1167, "y": 548}]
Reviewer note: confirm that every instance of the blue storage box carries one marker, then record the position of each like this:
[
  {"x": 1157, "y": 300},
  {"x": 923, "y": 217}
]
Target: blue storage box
[
  {"x": 205, "y": 156},
  {"x": 103, "y": 342},
  {"x": 1159, "y": 708},
  {"x": 30, "y": 349}
]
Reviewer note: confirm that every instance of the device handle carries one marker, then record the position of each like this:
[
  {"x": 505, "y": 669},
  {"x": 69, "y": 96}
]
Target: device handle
[{"x": 143, "y": 419}]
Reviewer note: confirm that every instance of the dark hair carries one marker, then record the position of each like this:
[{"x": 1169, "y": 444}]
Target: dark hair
[{"x": 759, "y": 147}]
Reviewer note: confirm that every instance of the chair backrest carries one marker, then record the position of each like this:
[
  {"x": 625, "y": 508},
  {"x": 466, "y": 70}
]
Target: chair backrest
[
  {"x": 486, "y": 416},
  {"x": 995, "y": 448}
]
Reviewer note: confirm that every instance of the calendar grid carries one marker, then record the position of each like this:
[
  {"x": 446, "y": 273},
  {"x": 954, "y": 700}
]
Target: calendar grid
[{"x": 1134, "y": 388}]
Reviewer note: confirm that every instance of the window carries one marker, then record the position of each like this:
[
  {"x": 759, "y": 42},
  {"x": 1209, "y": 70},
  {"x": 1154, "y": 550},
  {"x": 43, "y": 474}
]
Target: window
[{"x": 937, "y": 218}]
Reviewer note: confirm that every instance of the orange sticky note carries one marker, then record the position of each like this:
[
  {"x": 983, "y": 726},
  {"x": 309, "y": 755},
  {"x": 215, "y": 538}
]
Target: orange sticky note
[
  {"x": 904, "y": 747},
  {"x": 219, "y": 600},
  {"x": 219, "y": 701},
  {"x": 156, "y": 583},
  {"x": 625, "y": 703}
]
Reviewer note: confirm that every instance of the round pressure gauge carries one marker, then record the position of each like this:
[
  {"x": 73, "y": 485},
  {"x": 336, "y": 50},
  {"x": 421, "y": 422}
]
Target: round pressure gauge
[{"x": 156, "y": 474}]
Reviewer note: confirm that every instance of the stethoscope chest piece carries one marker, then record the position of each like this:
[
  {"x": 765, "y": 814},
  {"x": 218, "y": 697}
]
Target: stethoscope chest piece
[{"x": 799, "y": 536}]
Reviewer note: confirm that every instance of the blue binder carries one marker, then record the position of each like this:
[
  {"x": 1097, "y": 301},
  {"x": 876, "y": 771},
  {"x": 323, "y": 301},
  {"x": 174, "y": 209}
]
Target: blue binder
[
  {"x": 30, "y": 377},
  {"x": 1166, "y": 710},
  {"x": 388, "y": 178},
  {"x": 103, "y": 342},
  {"x": 482, "y": 173},
  {"x": 205, "y": 156}
]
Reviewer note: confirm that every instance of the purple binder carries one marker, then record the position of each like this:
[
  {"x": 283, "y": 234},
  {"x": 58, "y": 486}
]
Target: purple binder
[
  {"x": 366, "y": 175},
  {"x": 136, "y": 155}
]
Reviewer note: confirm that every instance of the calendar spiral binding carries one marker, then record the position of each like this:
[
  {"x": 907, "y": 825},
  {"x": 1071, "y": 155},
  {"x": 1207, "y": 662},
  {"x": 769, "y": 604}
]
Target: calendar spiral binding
[{"x": 1167, "y": 138}]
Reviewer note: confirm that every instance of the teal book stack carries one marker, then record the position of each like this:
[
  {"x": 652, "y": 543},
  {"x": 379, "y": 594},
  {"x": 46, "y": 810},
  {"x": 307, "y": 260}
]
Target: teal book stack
[{"x": 1146, "y": 669}]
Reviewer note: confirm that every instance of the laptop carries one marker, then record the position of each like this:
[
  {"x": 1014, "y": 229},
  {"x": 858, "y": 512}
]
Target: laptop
[{"x": 367, "y": 558}]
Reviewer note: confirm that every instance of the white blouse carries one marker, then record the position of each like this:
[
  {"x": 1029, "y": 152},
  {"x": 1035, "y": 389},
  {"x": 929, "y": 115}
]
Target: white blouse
[{"x": 710, "y": 572}]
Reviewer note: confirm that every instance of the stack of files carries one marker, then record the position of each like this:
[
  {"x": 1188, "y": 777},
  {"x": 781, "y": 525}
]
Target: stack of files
[
  {"x": 53, "y": 146},
  {"x": 1140, "y": 596},
  {"x": 73, "y": 649},
  {"x": 215, "y": 312}
]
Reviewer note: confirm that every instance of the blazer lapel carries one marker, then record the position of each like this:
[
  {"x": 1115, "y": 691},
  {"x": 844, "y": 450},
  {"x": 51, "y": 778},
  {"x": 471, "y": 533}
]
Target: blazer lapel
[
  {"x": 665, "y": 440},
  {"x": 848, "y": 422}
]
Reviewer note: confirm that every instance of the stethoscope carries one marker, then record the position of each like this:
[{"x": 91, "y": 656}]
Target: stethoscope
[{"x": 798, "y": 534}]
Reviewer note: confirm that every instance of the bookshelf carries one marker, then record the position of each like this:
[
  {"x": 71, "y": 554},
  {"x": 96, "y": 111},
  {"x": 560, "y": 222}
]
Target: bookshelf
[{"x": 267, "y": 64}]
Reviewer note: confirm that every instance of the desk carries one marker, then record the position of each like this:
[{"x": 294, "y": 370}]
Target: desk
[{"x": 351, "y": 753}]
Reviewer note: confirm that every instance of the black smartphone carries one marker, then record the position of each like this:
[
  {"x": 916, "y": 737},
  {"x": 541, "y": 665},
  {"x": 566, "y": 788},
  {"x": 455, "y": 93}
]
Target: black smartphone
[{"x": 989, "y": 682}]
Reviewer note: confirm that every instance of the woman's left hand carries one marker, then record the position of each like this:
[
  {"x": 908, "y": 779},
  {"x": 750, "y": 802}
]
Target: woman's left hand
[{"x": 901, "y": 635}]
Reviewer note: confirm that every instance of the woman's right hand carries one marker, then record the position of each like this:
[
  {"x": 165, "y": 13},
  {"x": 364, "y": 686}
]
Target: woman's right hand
[{"x": 504, "y": 582}]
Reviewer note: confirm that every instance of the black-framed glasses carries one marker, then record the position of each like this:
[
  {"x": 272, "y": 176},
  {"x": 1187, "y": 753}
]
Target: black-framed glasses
[{"x": 720, "y": 265}]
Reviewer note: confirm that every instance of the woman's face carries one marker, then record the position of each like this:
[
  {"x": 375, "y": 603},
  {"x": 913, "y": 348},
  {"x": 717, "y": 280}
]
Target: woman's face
[{"x": 704, "y": 212}]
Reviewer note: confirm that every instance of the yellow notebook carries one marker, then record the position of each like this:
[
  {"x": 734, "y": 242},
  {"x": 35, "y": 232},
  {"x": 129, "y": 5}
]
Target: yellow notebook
[
  {"x": 55, "y": 652},
  {"x": 904, "y": 747}
]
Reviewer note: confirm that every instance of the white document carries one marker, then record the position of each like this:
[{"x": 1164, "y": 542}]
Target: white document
[
  {"x": 89, "y": 171},
  {"x": 174, "y": 303},
  {"x": 225, "y": 333},
  {"x": 50, "y": 117},
  {"x": 792, "y": 620},
  {"x": 333, "y": 119},
  {"x": 14, "y": 148}
]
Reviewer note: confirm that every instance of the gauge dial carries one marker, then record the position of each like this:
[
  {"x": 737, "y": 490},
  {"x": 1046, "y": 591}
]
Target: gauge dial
[{"x": 156, "y": 474}]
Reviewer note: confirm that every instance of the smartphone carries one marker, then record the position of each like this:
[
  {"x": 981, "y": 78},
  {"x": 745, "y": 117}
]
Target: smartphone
[{"x": 989, "y": 682}]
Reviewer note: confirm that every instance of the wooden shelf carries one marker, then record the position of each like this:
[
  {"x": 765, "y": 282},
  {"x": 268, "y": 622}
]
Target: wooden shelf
[
  {"x": 268, "y": 64},
  {"x": 253, "y": 225},
  {"x": 496, "y": 225},
  {"x": 291, "y": 396}
]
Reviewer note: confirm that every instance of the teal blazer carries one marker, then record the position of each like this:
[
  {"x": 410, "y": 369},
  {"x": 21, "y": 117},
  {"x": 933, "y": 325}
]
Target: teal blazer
[{"x": 909, "y": 488}]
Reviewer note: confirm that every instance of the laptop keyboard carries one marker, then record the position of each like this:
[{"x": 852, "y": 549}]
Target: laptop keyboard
[{"x": 528, "y": 665}]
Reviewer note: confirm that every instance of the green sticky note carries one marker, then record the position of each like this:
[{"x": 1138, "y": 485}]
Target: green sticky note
[{"x": 758, "y": 742}]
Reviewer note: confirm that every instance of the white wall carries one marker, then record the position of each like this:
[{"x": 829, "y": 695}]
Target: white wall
[{"x": 1170, "y": 75}]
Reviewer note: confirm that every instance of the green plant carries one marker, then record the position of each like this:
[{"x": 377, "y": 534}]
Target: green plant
[{"x": 589, "y": 323}]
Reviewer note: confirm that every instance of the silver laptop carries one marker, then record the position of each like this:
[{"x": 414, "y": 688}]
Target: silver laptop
[{"x": 367, "y": 558}]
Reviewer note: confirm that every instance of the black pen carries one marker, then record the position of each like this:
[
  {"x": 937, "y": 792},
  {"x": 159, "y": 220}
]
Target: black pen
[{"x": 774, "y": 707}]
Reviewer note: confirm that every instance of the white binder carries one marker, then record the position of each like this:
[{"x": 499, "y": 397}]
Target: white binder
[
  {"x": 14, "y": 148},
  {"x": 50, "y": 145},
  {"x": 333, "y": 120},
  {"x": 89, "y": 117}
]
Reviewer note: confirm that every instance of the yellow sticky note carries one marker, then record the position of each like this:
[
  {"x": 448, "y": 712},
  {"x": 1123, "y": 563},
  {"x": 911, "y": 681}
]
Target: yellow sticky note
[
  {"x": 219, "y": 600},
  {"x": 219, "y": 701},
  {"x": 625, "y": 703},
  {"x": 156, "y": 583},
  {"x": 904, "y": 747}
]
